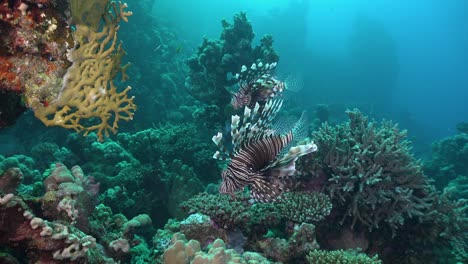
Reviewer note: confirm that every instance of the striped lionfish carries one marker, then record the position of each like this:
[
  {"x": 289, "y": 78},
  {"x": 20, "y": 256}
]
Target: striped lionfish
[
  {"x": 261, "y": 156},
  {"x": 256, "y": 84}
]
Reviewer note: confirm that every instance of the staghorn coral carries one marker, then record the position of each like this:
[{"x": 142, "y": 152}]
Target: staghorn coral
[
  {"x": 372, "y": 175},
  {"x": 340, "y": 257},
  {"x": 88, "y": 99}
]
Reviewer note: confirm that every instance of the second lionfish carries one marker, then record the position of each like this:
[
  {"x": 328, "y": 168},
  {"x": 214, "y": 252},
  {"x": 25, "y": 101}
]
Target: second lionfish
[
  {"x": 262, "y": 156},
  {"x": 256, "y": 84}
]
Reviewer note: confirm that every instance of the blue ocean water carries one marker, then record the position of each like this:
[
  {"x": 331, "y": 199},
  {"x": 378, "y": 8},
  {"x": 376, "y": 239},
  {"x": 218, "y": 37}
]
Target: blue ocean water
[{"x": 417, "y": 51}]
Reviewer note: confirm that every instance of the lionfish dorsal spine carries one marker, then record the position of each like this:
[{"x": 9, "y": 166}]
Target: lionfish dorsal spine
[
  {"x": 222, "y": 153},
  {"x": 255, "y": 72}
]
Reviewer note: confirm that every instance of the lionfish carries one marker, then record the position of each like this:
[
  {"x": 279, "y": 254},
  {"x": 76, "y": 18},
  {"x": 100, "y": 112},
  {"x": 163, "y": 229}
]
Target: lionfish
[
  {"x": 256, "y": 84},
  {"x": 261, "y": 157}
]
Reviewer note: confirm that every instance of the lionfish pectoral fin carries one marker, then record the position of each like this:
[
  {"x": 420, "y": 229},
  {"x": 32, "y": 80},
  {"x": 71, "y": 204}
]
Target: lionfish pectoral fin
[
  {"x": 267, "y": 189},
  {"x": 286, "y": 170}
]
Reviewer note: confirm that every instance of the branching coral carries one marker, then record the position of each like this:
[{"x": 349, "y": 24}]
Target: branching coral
[
  {"x": 224, "y": 212},
  {"x": 340, "y": 257},
  {"x": 88, "y": 99},
  {"x": 305, "y": 207},
  {"x": 372, "y": 174}
]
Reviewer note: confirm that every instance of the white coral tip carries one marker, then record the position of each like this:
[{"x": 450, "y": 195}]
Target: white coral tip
[
  {"x": 254, "y": 66},
  {"x": 247, "y": 112},
  {"x": 235, "y": 119},
  {"x": 217, "y": 155},
  {"x": 243, "y": 69},
  {"x": 260, "y": 64},
  {"x": 217, "y": 138}
]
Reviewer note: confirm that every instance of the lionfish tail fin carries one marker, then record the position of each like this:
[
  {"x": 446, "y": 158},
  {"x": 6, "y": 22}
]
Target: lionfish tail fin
[
  {"x": 301, "y": 128},
  {"x": 294, "y": 82}
]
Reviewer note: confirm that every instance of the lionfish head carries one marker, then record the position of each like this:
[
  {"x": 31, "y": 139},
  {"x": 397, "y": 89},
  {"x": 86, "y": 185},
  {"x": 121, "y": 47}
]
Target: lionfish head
[{"x": 240, "y": 100}]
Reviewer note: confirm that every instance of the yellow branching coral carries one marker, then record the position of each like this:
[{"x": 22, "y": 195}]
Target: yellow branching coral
[{"x": 88, "y": 100}]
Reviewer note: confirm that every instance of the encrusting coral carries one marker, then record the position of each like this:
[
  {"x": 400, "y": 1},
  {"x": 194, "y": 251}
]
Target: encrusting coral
[{"x": 182, "y": 251}]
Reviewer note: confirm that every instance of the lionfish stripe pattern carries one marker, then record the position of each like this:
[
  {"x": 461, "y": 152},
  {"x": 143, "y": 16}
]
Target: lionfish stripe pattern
[
  {"x": 256, "y": 84},
  {"x": 257, "y": 158}
]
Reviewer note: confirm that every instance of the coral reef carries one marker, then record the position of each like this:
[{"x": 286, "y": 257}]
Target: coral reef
[
  {"x": 372, "y": 175},
  {"x": 65, "y": 87},
  {"x": 49, "y": 227},
  {"x": 291, "y": 250},
  {"x": 449, "y": 158},
  {"x": 209, "y": 67}
]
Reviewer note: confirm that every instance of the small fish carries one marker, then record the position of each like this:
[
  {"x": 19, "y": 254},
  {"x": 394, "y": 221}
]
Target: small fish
[
  {"x": 262, "y": 158},
  {"x": 256, "y": 84},
  {"x": 179, "y": 49}
]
